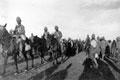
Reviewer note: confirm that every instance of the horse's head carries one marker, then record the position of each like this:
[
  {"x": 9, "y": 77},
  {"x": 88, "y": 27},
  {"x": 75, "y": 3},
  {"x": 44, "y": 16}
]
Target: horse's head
[
  {"x": 3, "y": 32},
  {"x": 51, "y": 37},
  {"x": 2, "y": 29},
  {"x": 5, "y": 37}
]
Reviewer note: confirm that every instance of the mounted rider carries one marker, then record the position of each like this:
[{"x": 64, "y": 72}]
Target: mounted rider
[
  {"x": 46, "y": 33},
  {"x": 46, "y": 36},
  {"x": 20, "y": 35},
  {"x": 20, "y": 29},
  {"x": 57, "y": 34}
]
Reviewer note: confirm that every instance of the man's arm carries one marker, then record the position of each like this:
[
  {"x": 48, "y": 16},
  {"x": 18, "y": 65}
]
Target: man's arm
[
  {"x": 23, "y": 30},
  {"x": 60, "y": 35}
]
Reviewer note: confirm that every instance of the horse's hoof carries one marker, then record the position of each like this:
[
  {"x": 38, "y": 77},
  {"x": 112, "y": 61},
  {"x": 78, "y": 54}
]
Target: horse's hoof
[
  {"x": 32, "y": 69},
  {"x": 1, "y": 77},
  {"x": 25, "y": 70},
  {"x": 53, "y": 63},
  {"x": 42, "y": 62},
  {"x": 15, "y": 73}
]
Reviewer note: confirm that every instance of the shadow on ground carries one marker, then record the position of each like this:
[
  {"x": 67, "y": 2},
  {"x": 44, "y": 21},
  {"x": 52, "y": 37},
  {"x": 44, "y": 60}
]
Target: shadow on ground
[
  {"x": 42, "y": 74},
  {"x": 108, "y": 60},
  {"x": 61, "y": 75},
  {"x": 48, "y": 74},
  {"x": 103, "y": 72}
]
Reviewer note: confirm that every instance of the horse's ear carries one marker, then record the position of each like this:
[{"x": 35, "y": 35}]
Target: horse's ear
[{"x": 5, "y": 25}]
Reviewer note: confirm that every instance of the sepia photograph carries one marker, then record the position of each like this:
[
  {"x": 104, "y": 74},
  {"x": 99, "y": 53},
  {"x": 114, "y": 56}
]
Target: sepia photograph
[{"x": 59, "y": 39}]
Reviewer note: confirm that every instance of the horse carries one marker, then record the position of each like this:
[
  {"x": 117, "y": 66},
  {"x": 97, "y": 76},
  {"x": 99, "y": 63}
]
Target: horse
[
  {"x": 9, "y": 47},
  {"x": 55, "y": 48},
  {"x": 63, "y": 45},
  {"x": 26, "y": 49},
  {"x": 40, "y": 45}
]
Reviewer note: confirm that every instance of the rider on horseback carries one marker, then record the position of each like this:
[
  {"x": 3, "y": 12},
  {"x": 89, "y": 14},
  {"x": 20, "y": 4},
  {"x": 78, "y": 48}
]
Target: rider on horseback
[
  {"x": 20, "y": 29},
  {"x": 20, "y": 33},
  {"x": 46, "y": 36},
  {"x": 57, "y": 34},
  {"x": 46, "y": 33}
]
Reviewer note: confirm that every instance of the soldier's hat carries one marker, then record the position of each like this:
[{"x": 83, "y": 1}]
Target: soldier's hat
[
  {"x": 45, "y": 28},
  {"x": 18, "y": 19},
  {"x": 56, "y": 27}
]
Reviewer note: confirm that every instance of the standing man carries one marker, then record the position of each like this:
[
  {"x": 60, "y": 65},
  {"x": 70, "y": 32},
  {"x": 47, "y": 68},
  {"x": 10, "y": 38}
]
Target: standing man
[
  {"x": 118, "y": 48},
  {"x": 103, "y": 47},
  {"x": 93, "y": 50}
]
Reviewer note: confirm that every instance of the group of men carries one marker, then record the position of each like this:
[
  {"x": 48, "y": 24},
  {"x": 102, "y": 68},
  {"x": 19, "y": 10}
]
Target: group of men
[
  {"x": 57, "y": 34},
  {"x": 20, "y": 31},
  {"x": 99, "y": 43},
  {"x": 95, "y": 46}
]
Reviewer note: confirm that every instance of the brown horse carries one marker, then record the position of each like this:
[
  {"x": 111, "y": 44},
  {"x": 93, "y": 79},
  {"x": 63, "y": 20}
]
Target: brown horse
[
  {"x": 9, "y": 47},
  {"x": 55, "y": 48}
]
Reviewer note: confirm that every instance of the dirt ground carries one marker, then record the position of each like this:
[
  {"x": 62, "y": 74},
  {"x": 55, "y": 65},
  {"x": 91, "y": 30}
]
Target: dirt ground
[{"x": 72, "y": 69}]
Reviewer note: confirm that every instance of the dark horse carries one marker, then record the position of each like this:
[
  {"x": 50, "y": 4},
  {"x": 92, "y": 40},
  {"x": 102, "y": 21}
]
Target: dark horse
[
  {"x": 55, "y": 48},
  {"x": 27, "y": 49},
  {"x": 10, "y": 47},
  {"x": 40, "y": 46}
]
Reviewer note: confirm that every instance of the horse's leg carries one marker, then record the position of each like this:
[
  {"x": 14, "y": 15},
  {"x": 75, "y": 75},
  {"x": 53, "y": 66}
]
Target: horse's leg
[
  {"x": 41, "y": 57},
  {"x": 26, "y": 59},
  {"x": 95, "y": 62},
  {"x": 5, "y": 63},
  {"x": 32, "y": 56},
  {"x": 53, "y": 55},
  {"x": 46, "y": 52},
  {"x": 56, "y": 57},
  {"x": 15, "y": 60}
]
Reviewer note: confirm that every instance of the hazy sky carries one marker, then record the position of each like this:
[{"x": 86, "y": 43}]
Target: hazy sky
[{"x": 75, "y": 18}]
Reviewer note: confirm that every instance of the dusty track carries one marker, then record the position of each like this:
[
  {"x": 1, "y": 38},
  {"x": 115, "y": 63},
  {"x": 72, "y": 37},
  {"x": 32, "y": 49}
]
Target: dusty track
[{"x": 72, "y": 69}]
